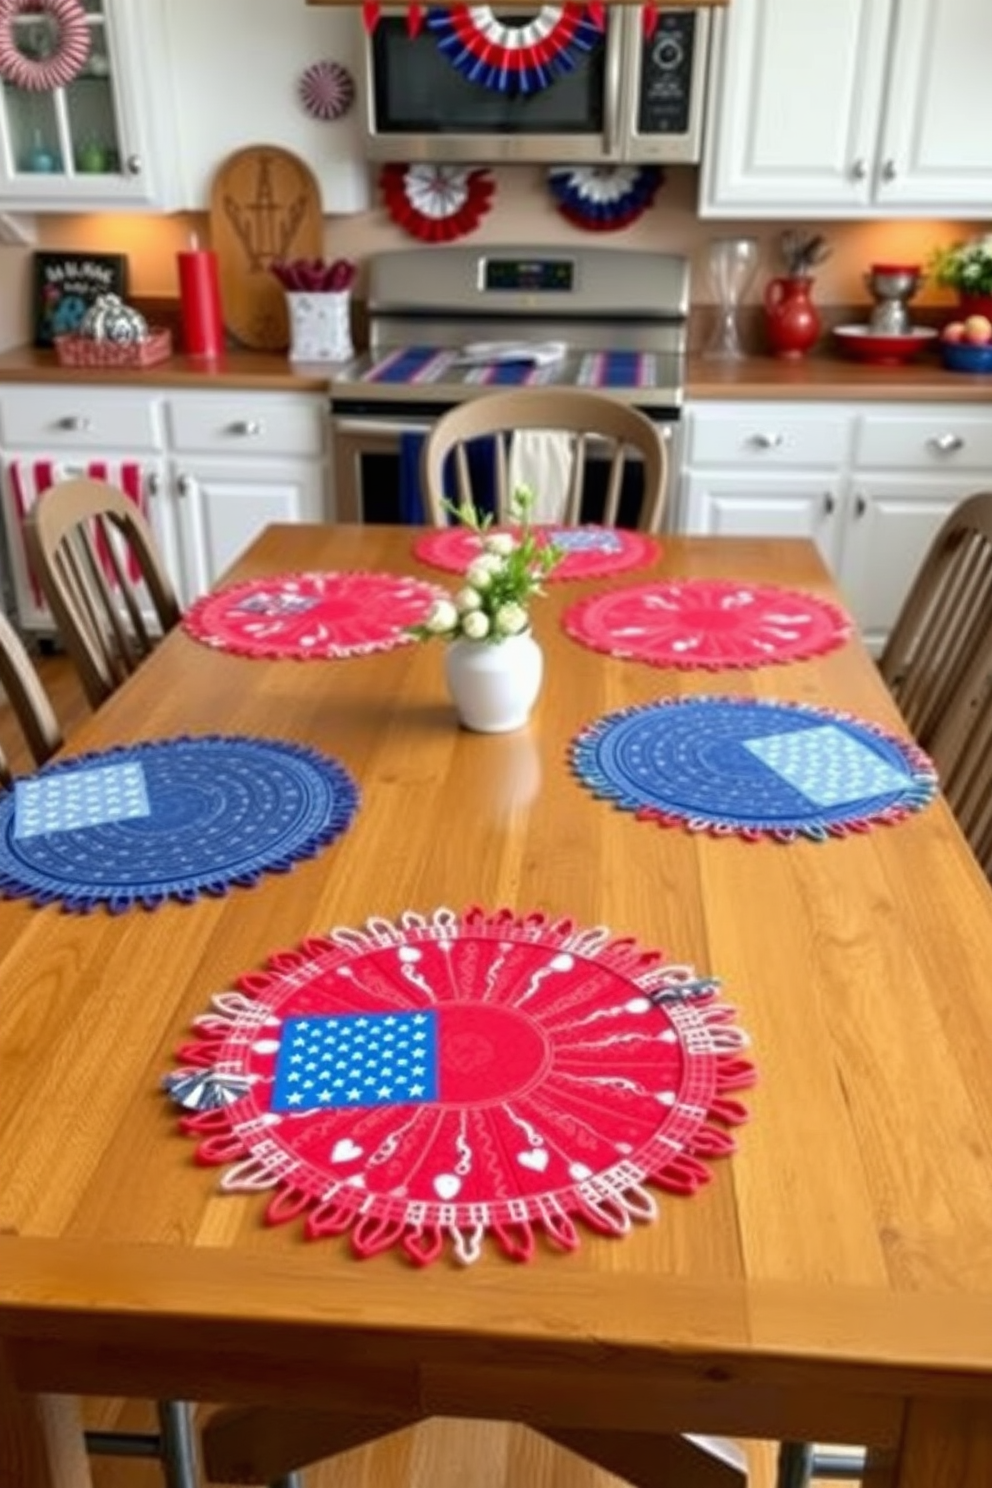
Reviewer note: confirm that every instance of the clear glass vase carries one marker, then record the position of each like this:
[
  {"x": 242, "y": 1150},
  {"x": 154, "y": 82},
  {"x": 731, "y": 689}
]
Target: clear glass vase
[{"x": 731, "y": 264}]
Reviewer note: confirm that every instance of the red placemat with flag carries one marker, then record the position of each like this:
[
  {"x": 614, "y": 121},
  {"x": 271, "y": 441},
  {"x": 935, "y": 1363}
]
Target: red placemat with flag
[
  {"x": 707, "y": 624},
  {"x": 305, "y": 615},
  {"x": 590, "y": 551},
  {"x": 431, "y": 1081}
]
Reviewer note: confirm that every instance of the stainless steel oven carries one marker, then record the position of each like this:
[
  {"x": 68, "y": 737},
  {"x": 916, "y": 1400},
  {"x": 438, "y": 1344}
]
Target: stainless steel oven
[
  {"x": 626, "y": 93},
  {"x": 616, "y": 319}
]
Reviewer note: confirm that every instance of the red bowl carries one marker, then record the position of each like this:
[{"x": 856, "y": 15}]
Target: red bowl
[
  {"x": 888, "y": 268},
  {"x": 865, "y": 345}
]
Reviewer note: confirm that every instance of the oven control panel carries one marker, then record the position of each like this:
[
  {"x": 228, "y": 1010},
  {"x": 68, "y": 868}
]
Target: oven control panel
[{"x": 529, "y": 275}]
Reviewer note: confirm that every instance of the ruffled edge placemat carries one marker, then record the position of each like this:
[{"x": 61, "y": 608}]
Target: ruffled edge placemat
[
  {"x": 19, "y": 879},
  {"x": 592, "y": 551},
  {"x": 703, "y": 624},
  {"x": 225, "y": 619},
  {"x": 561, "y": 1070},
  {"x": 921, "y": 784}
]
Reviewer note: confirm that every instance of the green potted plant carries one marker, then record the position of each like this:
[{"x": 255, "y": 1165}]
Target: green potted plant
[{"x": 966, "y": 268}]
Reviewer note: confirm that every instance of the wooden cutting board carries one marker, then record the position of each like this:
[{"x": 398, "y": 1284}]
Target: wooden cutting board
[{"x": 264, "y": 205}]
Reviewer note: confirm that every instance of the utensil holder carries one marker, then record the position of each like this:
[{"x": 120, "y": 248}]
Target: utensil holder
[{"x": 320, "y": 326}]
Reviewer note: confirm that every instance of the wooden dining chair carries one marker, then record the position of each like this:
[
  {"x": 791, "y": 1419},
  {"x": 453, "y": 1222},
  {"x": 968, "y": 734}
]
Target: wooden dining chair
[
  {"x": 603, "y": 429},
  {"x": 28, "y": 700},
  {"x": 95, "y": 558},
  {"x": 962, "y": 752},
  {"x": 945, "y": 621}
]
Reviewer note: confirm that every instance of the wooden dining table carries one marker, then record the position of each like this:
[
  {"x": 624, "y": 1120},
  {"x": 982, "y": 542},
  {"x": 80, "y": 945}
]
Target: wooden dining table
[{"x": 834, "y": 1280}]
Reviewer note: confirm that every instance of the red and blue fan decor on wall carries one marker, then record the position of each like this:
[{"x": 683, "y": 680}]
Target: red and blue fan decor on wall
[
  {"x": 437, "y": 203},
  {"x": 604, "y": 198},
  {"x": 516, "y": 57},
  {"x": 429, "y": 1082},
  {"x": 595, "y": 12}
]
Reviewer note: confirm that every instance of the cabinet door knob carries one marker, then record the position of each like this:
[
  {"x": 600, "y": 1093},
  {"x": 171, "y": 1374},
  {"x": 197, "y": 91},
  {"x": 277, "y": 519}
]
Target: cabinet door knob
[
  {"x": 946, "y": 444},
  {"x": 248, "y": 428},
  {"x": 860, "y": 505},
  {"x": 75, "y": 423},
  {"x": 829, "y": 504},
  {"x": 184, "y": 485},
  {"x": 859, "y": 169},
  {"x": 133, "y": 165},
  {"x": 154, "y": 485},
  {"x": 889, "y": 171},
  {"x": 766, "y": 441}
]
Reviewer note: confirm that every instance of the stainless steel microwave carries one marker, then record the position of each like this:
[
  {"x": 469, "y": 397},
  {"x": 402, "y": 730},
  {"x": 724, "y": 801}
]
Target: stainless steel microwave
[{"x": 631, "y": 96}]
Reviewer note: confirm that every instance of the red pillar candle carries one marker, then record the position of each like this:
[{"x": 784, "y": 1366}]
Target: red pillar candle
[{"x": 199, "y": 298}]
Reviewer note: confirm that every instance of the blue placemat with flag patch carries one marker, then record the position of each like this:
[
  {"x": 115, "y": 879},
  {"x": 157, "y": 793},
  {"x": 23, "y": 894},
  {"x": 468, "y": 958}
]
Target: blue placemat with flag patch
[
  {"x": 750, "y": 768},
  {"x": 168, "y": 819}
]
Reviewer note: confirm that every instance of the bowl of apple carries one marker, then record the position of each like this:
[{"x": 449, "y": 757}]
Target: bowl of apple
[{"x": 966, "y": 345}]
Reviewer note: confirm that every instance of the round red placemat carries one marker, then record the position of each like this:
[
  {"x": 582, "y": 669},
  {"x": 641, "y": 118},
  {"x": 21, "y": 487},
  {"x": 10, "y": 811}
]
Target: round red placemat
[
  {"x": 707, "y": 624},
  {"x": 590, "y": 552},
  {"x": 304, "y": 615},
  {"x": 434, "y": 1080}
]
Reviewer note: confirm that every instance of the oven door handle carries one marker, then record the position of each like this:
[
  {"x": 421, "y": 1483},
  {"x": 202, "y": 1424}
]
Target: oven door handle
[{"x": 363, "y": 425}]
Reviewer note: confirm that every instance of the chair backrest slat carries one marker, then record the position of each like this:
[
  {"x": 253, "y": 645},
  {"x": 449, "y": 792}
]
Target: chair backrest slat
[
  {"x": 599, "y": 422},
  {"x": 938, "y": 665},
  {"x": 86, "y": 540},
  {"x": 27, "y": 698}
]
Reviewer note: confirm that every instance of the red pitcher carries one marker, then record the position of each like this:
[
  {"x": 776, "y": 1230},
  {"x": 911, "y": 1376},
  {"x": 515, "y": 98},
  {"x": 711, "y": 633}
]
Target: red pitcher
[{"x": 791, "y": 317}]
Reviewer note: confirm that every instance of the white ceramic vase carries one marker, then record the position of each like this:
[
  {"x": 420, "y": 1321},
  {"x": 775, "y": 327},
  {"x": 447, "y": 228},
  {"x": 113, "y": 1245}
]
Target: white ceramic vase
[{"x": 494, "y": 684}]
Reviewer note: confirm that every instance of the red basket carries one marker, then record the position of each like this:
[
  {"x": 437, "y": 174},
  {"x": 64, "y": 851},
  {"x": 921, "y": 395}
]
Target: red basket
[{"x": 82, "y": 351}]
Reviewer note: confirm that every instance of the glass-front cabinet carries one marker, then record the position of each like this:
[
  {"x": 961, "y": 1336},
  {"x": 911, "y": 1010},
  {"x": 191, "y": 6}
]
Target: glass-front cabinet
[{"x": 93, "y": 141}]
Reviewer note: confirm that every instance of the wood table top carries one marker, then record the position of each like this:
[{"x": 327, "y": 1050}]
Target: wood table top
[{"x": 849, "y": 1238}]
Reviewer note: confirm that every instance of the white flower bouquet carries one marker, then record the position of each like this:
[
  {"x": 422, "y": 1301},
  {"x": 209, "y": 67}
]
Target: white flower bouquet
[{"x": 492, "y": 604}]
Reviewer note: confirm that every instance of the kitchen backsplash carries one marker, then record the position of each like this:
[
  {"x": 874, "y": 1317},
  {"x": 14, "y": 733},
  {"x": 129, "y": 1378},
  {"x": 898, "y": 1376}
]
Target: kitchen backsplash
[{"x": 523, "y": 211}]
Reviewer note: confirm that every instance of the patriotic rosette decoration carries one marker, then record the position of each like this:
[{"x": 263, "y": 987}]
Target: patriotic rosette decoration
[
  {"x": 427, "y": 1082},
  {"x": 437, "y": 203},
  {"x": 67, "y": 56},
  {"x": 511, "y": 57},
  {"x": 604, "y": 198}
]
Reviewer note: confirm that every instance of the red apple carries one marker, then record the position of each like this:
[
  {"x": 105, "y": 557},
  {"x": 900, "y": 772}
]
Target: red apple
[
  {"x": 977, "y": 330},
  {"x": 953, "y": 331}
]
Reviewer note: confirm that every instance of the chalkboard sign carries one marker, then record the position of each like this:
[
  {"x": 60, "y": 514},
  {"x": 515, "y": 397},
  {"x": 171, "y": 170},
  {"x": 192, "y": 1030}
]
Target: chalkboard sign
[{"x": 66, "y": 284}]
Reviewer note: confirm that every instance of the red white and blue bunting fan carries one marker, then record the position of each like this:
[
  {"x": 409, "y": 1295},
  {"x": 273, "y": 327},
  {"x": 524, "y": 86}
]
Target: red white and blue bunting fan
[
  {"x": 604, "y": 198},
  {"x": 437, "y": 203},
  {"x": 429, "y": 1082},
  {"x": 511, "y": 57},
  {"x": 415, "y": 16}
]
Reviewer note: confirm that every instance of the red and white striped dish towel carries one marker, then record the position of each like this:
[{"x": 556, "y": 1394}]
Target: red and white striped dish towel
[{"x": 30, "y": 479}]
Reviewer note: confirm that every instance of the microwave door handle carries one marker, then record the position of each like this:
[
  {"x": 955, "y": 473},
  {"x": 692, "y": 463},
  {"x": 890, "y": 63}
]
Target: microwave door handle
[{"x": 613, "y": 81}]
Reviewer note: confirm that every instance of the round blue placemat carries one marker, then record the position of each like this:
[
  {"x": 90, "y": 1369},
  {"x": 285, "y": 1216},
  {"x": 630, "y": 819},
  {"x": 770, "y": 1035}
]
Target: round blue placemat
[
  {"x": 752, "y": 769},
  {"x": 169, "y": 819}
]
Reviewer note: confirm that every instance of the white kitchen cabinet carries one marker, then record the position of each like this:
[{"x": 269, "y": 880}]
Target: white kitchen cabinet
[
  {"x": 860, "y": 108},
  {"x": 104, "y": 140},
  {"x": 870, "y": 484},
  {"x": 63, "y": 430},
  {"x": 210, "y": 469},
  {"x": 238, "y": 462},
  {"x": 257, "y": 50}
]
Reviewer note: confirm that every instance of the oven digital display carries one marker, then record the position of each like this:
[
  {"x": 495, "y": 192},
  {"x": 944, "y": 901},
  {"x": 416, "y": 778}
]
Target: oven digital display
[{"x": 529, "y": 274}]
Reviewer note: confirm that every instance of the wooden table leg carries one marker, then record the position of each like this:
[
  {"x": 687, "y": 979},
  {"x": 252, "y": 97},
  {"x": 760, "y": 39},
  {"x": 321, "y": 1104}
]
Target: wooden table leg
[
  {"x": 41, "y": 1438},
  {"x": 945, "y": 1444}
]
